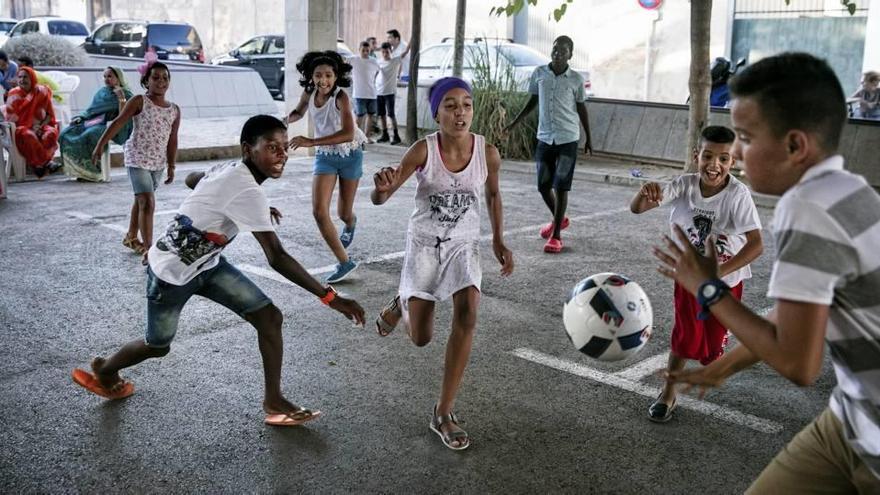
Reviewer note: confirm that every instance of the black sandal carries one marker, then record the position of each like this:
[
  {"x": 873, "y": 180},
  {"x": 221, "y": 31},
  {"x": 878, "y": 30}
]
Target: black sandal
[
  {"x": 460, "y": 436},
  {"x": 660, "y": 412}
]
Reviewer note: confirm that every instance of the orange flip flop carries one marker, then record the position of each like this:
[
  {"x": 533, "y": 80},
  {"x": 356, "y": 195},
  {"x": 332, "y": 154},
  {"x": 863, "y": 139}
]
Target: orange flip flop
[
  {"x": 89, "y": 382},
  {"x": 292, "y": 418}
]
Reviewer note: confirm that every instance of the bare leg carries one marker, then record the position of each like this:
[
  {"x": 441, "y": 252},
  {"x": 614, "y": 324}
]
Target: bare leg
[
  {"x": 132, "y": 353},
  {"x": 133, "y": 221},
  {"x": 322, "y": 192},
  {"x": 458, "y": 350},
  {"x": 559, "y": 212},
  {"x": 268, "y": 320},
  {"x": 345, "y": 200},
  {"x": 549, "y": 199},
  {"x": 675, "y": 364},
  {"x": 419, "y": 321},
  {"x": 146, "y": 206}
]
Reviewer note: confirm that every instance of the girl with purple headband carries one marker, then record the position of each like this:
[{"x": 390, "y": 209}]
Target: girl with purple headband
[{"x": 443, "y": 238}]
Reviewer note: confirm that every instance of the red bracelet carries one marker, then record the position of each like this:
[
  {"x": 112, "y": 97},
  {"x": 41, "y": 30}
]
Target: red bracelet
[{"x": 329, "y": 296}]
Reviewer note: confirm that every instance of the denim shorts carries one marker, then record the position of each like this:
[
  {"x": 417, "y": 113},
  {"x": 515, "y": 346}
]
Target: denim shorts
[
  {"x": 349, "y": 167},
  {"x": 143, "y": 180},
  {"x": 223, "y": 284},
  {"x": 364, "y": 106},
  {"x": 555, "y": 165}
]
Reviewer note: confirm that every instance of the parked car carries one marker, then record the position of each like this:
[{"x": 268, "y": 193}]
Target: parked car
[
  {"x": 69, "y": 29},
  {"x": 7, "y": 23},
  {"x": 126, "y": 38},
  {"x": 435, "y": 61},
  {"x": 265, "y": 54}
]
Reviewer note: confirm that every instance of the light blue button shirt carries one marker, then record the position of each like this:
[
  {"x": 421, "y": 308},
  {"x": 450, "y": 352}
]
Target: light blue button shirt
[{"x": 558, "y": 96}]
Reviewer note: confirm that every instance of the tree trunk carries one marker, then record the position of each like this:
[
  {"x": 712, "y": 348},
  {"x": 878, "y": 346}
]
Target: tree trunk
[
  {"x": 412, "y": 104},
  {"x": 699, "y": 82},
  {"x": 458, "y": 49}
]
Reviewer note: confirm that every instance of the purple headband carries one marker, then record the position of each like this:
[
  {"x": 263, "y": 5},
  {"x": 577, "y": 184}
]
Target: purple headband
[{"x": 443, "y": 86}]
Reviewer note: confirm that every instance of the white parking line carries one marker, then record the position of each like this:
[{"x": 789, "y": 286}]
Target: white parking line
[
  {"x": 643, "y": 368},
  {"x": 615, "y": 380}
]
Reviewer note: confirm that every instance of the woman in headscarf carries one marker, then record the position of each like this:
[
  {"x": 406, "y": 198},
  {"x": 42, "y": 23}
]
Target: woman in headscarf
[
  {"x": 78, "y": 141},
  {"x": 29, "y": 107}
]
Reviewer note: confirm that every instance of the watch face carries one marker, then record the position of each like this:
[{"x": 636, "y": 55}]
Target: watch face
[{"x": 709, "y": 291}]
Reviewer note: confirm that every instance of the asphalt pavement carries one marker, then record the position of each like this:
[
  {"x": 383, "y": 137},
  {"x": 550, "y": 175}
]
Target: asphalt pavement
[{"x": 542, "y": 417}]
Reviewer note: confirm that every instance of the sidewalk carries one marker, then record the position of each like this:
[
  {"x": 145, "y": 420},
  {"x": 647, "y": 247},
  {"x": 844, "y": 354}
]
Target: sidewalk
[{"x": 218, "y": 138}]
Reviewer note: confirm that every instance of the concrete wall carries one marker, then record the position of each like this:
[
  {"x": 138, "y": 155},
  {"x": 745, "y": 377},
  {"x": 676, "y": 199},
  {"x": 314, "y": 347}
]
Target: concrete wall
[{"x": 200, "y": 91}]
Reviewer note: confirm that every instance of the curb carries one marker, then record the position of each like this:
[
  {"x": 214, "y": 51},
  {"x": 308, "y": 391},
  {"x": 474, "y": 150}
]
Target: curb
[{"x": 192, "y": 154}]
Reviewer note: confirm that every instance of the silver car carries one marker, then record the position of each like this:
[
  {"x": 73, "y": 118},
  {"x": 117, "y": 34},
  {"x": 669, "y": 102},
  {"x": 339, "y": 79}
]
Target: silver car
[{"x": 499, "y": 56}]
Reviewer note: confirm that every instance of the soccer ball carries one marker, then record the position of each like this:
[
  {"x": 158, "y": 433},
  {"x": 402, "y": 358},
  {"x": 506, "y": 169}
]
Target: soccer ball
[{"x": 608, "y": 317}]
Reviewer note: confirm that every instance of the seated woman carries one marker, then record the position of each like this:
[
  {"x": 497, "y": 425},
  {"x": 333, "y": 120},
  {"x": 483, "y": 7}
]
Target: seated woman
[
  {"x": 78, "y": 140},
  {"x": 29, "y": 107}
]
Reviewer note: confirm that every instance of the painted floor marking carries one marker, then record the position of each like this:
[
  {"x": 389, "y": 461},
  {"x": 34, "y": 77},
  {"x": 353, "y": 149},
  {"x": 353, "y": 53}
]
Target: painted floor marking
[
  {"x": 615, "y": 380},
  {"x": 272, "y": 275},
  {"x": 643, "y": 368}
]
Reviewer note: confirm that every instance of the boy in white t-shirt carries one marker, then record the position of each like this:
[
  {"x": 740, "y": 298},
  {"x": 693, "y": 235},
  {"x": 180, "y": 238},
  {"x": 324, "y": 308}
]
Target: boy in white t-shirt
[
  {"x": 710, "y": 202},
  {"x": 363, "y": 77},
  {"x": 186, "y": 261},
  {"x": 386, "y": 90}
]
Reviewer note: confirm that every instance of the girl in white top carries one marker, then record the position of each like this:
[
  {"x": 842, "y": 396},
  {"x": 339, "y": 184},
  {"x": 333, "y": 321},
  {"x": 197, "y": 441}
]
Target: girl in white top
[
  {"x": 339, "y": 148},
  {"x": 150, "y": 150},
  {"x": 442, "y": 248}
]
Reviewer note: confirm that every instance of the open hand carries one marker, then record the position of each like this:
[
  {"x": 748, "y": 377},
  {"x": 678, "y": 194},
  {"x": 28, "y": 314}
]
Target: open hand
[
  {"x": 682, "y": 263},
  {"x": 652, "y": 192},
  {"x": 300, "y": 141},
  {"x": 704, "y": 378},
  {"x": 350, "y": 308},
  {"x": 170, "y": 173},
  {"x": 275, "y": 215},
  {"x": 504, "y": 256}
]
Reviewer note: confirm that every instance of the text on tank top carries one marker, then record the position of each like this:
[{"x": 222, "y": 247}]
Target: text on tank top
[{"x": 448, "y": 203}]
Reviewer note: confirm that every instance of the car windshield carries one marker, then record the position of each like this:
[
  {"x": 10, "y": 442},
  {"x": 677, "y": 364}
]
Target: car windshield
[
  {"x": 523, "y": 56},
  {"x": 67, "y": 28},
  {"x": 170, "y": 36},
  {"x": 6, "y": 26}
]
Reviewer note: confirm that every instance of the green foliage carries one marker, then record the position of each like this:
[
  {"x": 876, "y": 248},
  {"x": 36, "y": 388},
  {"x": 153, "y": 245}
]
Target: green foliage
[
  {"x": 47, "y": 50},
  {"x": 512, "y": 7},
  {"x": 497, "y": 99}
]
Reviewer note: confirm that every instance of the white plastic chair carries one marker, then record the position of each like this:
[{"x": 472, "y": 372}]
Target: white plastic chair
[
  {"x": 14, "y": 161},
  {"x": 67, "y": 84}
]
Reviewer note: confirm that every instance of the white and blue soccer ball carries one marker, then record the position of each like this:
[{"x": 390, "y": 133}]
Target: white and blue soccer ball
[{"x": 608, "y": 317}]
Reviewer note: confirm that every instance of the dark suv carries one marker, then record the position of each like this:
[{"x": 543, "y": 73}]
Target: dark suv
[
  {"x": 171, "y": 40},
  {"x": 265, "y": 54}
]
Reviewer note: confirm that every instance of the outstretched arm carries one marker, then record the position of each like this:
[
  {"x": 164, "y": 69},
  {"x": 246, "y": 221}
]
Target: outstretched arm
[
  {"x": 286, "y": 265},
  {"x": 388, "y": 180},
  {"x": 530, "y": 105},
  {"x": 132, "y": 108},
  {"x": 493, "y": 205},
  {"x": 343, "y": 135},
  {"x": 649, "y": 197},
  {"x": 301, "y": 108}
]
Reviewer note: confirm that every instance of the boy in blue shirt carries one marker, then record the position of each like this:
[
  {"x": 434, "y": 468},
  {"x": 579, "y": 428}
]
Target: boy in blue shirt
[{"x": 559, "y": 94}]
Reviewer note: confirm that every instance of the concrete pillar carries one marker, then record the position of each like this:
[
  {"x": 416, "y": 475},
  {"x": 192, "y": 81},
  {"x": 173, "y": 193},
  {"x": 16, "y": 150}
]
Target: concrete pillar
[
  {"x": 308, "y": 25},
  {"x": 871, "y": 59}
]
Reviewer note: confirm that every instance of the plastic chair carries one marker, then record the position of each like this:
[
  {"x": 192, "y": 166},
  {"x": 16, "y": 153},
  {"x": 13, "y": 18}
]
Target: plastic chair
[
  {"x": 15, "y": 163},
  {"x": 67, "y": 84}
]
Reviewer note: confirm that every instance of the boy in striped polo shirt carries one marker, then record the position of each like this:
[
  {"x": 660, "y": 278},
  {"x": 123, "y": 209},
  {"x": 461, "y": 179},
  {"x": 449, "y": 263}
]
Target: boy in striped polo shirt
[{"x": 788, "y": 112}]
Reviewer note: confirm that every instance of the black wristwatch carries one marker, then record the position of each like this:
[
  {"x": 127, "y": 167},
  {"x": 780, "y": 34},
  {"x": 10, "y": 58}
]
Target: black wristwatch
[{"x": 709, "y": 293}]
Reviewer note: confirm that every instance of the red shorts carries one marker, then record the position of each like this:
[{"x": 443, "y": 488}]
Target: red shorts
[{"x": 700, "y": 340}]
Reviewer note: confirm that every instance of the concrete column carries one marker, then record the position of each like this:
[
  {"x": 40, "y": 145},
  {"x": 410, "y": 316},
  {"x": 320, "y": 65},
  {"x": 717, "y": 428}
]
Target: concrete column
[
  {"x": 871, "y": 59},
  {"x": 308, "y": 25}
]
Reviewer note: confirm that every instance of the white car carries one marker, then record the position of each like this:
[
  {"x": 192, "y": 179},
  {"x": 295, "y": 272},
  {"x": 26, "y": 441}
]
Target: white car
[
  {"x": 501, "y": 56},
  {"x": 69, "y": 29}
]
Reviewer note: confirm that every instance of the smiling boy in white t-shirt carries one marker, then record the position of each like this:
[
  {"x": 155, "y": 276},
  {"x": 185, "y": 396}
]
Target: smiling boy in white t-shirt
[{"x": 710, "y": 202}]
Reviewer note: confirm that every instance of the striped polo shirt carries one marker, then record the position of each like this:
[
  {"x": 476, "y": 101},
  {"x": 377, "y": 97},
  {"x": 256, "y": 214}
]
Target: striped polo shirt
[{"x": 827, "y": 230}]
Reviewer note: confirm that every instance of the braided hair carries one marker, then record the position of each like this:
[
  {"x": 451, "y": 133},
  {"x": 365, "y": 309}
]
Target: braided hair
[{"x": 310, "y": 60}]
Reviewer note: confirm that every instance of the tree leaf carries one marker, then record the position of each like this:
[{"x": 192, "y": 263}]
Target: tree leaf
[{"x": 851, "y": 8}]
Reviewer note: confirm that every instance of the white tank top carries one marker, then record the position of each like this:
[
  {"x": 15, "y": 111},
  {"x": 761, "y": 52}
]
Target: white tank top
[
  {"x": 328, "y": 120},
  {"x": 448, "y": 203}
]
